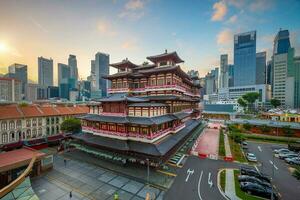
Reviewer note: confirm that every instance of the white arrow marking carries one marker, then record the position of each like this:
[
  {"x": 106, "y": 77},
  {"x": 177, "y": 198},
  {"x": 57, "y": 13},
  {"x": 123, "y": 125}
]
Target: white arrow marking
[
  {"x": 199, "y": 182},
  {"x": 210, "y": 183},
  {"x": 259, "y": 148},
  {"x": 271, "y": 162},
  {"x": 189, "y": 172}
]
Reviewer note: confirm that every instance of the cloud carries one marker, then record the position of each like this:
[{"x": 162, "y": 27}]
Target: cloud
[
  {"x": 130, "y": 44},
  {"x": 134, "y": 5},
  {"x": 220, "y": 10},
  {"x": 38, "y": 25},
  {"x": 260, "y": 5},
  {"x": 232, "y": 19},
  {"x": 225, "y": 37},
  {"x": 133, "y": 10},
  {"x": 106, "y": 28}
]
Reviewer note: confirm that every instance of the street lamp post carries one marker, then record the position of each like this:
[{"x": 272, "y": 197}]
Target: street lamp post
[{"x": 148, "y": 171}]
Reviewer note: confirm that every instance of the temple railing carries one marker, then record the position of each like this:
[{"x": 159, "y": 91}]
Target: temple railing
[
  {"x": 131, "y": 134},
  {"x": 154, "y": 88},
  {"x": 112, "y": 114}
]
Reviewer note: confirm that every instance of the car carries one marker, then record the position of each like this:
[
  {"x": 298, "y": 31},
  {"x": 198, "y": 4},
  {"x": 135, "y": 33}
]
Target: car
[
  {"x": 255, "y": 173},
  {"x": 244, "y": 145},
  {"x": 258, "y": 190},
  {"x": 287, "y": 155},
  {"x": 282, "y": 150},
  {"x": 251, "y": 157},
  {"x": 293, "y": 161},
  {"x": 252, "y": 179}
]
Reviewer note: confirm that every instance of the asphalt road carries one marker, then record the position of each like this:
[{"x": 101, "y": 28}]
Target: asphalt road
[
  {"x": 193, "y": 180},
  {"x": 286, "y": 184}
]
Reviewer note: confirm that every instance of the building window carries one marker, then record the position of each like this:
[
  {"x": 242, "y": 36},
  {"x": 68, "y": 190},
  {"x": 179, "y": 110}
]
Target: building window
[
  {"x": 57, "y": 129},
  {"x": 4, "y": 138},
  {"x": 34, "y": 122},
  {"x": 28, "y": 134},
  {"x": 4, "y": 126},
  {"x": 40, "y": 122},
  {"x": 133, "y": 129},
  {"x": 28, "y": 123},
  {"x": 48, "y": 121},
  {"x": 112, "y": 127},
  {"x": 145, "y": 131},
  {"x": 57, "y": 120},
  {"x": 11, "y": 125},
  {"x": 40, "y": 132},
  {"x": 52, "y": 120},
  {"x": 12, "y": 136},
  {"x": 34, "y": 133},
  {"x": 19, "y": 124},
  {"x": 48, "y": 131},
  {"x": 52, "y": 130}
]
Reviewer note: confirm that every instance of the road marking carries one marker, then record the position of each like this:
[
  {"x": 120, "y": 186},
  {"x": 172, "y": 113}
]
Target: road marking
[
  {"x": 189, "y": 172},
  {"x": 256, "y": 168},
  {"x": 271, "y": 162},
  {"x": 259, "y": 148},
  {"x": 209, "y": 181},
  {"x": 199, "y": 182}
]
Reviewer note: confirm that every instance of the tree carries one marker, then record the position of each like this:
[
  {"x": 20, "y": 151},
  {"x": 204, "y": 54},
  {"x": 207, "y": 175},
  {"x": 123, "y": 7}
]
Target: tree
[
  {"x": 250, "y": 98},
  {"x": 265, "y": 129},
  {"x": 247, "y": 126},
  {"x": 275, "y": 103},
  {"x": 242, "y": 102},
  {"x": 71, "y": 125}
]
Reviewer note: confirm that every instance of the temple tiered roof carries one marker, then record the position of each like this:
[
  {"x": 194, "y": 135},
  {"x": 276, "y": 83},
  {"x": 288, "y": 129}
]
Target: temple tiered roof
[
  {"x": 165, "y": 56},
  {"x": 124, "y": 64}
]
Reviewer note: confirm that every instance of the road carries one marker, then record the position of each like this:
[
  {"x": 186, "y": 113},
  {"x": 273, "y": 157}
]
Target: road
[
  {"x": 197, "y": 180},
  {"x": 287, "y": 185}
]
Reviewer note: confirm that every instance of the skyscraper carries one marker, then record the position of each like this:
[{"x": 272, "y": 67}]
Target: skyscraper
[
  {"x": 224, "y": 74},
  {"x": 281, "y": 42},
  {"x": 280, "y": 68},
  {"x": 10, "y": 89},
  {"x": 45, "y": 71},
  {"x": 269, "y": 73},
  {"x": 231, "y": 75},
  {"x": 245, "y": 59},
  {"x": 63, "y": 73},
  {"x": 211, "y": 81},
  {"x": 19, "y": 72},
  {"x": 261, "y": 59},
  {"x": 101, "y": 69},
  {"x": 72, "y": 62}
]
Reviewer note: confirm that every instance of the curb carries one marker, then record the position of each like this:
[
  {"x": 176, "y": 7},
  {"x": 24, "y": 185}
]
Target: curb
[{"x": 219, "y": 186}]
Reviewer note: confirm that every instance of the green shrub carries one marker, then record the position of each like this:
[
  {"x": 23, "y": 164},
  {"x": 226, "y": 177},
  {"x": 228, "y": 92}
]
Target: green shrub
[
  {"x": 296, "y": 173},
  {"x": 71, "y": 125},
  {"x": 247, "y": 126},
  {"x": 237, "y": 137}
]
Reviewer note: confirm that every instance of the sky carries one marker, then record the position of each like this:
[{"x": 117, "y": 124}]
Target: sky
[{"x": 199, "y": 30}]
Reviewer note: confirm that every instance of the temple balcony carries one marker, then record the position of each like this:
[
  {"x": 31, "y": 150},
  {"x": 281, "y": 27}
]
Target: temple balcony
[
  {"x": 117, "y": 90},
  {"x": 149, "y": 138},
  {"x": 112, "y": 114},
  {"x": 165, "y": 87}
]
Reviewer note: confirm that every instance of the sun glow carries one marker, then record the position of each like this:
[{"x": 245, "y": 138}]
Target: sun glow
[{"x": 3, "y": 47}]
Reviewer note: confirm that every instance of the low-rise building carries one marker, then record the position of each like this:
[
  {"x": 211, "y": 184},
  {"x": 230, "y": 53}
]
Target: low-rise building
[
  {"x": 31, "y": 122},
  {"x": 10, "y": 89}
]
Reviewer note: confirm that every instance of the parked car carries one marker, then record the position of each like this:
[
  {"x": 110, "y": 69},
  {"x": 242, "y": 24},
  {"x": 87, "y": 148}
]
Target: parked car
[
  {"x": 252, "y": 179},
  {"x": 258, "y": 190},
  {"x": 293, "y": 161},
  {"x": 244, "y": 145},
  {"x": 294, "y": 146},
  {"x": 287, "y": 155},
  {"x": 282, "y": 150},
  {"x": 251, "y": 157},
  {"x": 255, "y": 173}
]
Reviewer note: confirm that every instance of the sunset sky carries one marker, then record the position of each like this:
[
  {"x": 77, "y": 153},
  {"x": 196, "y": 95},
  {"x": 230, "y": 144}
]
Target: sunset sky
[{"x": 198, "y": 30}]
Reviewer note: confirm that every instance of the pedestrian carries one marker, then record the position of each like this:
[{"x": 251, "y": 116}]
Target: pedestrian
[
  {"x": 65, "y": 161},
  {"x": 71, "y": 195}
]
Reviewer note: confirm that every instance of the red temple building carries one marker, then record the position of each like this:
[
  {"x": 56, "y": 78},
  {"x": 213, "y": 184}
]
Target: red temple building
[{"x": 150, "y": 111}]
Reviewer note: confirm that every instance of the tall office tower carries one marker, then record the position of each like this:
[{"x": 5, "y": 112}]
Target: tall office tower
[
  {"x": 245, "y": 59},
  {"x": 93, "y": 67},
  {"x": 224, "y": 74},
  {"x": 297, "y": 82},
  {"x": 101, "y": 69},
  {"x": 45, "y": 73},
  {"x": 63, "y": 80},
  {"x": 72, "y": 62},
  {"x": 19, "y": 72},
  {"x": 10, "y": 89},
  {"x": 269, "y": 73},
  {"x": 261, "y": 59},
  {"x": 63, "y": 73},
  {"x": 281, "y": 42},
  {"x": 211, "y": 81},
  {"x": 32, "y": 91},
  {"x": 280, "y": 67},
  {"x": 231, "y": 75}
]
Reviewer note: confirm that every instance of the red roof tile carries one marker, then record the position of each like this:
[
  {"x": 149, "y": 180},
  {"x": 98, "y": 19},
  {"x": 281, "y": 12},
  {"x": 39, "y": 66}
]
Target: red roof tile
[
  {"x": 10, "y": 112},
  {"x": 31, "y": 111}
]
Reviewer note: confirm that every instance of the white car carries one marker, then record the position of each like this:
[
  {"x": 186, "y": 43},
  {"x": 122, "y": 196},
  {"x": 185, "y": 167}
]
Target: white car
[
  {"x": 251, "y": 157},
  {"x": 282, "y": 150}
]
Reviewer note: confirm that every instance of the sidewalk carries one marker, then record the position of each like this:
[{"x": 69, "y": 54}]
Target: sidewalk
[
  {"x": 230, "y": 185},
  {"x": 228, "y": 155}
]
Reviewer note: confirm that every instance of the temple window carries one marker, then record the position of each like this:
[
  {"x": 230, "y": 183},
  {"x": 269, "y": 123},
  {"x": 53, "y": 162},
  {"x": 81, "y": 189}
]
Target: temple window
[
  {"x": 138, "y": 111},
  {"x": 28, "y": 123},
  {"x": 11, "y": 125},
  {"x": 131, "y": 111},
  {"x": 103, "y": 126},
  {"x": 160, "y": 81},
  {"x": 112, "y": 127},
  {"x": 19, "y": 124},
  {"x": 34, "y": 122},
  {"x": 145, "y": 131},
  {"x": 3, "y": 126}
]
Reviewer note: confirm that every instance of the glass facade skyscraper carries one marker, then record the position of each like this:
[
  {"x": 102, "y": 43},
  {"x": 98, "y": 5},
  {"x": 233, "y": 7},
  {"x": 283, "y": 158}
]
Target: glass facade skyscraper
[
  {"x": 261, "y": 59},
  {"x": 45, "y": 67},
  {"x": 101, "y": 69},
  {"x": 282, "y": 42},
  {"x": 245, "y": 59}
]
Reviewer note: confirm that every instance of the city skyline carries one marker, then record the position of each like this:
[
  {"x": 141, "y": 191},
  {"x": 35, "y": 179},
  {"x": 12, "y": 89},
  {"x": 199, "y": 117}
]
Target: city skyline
[{"x": 129, "y": 33}]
